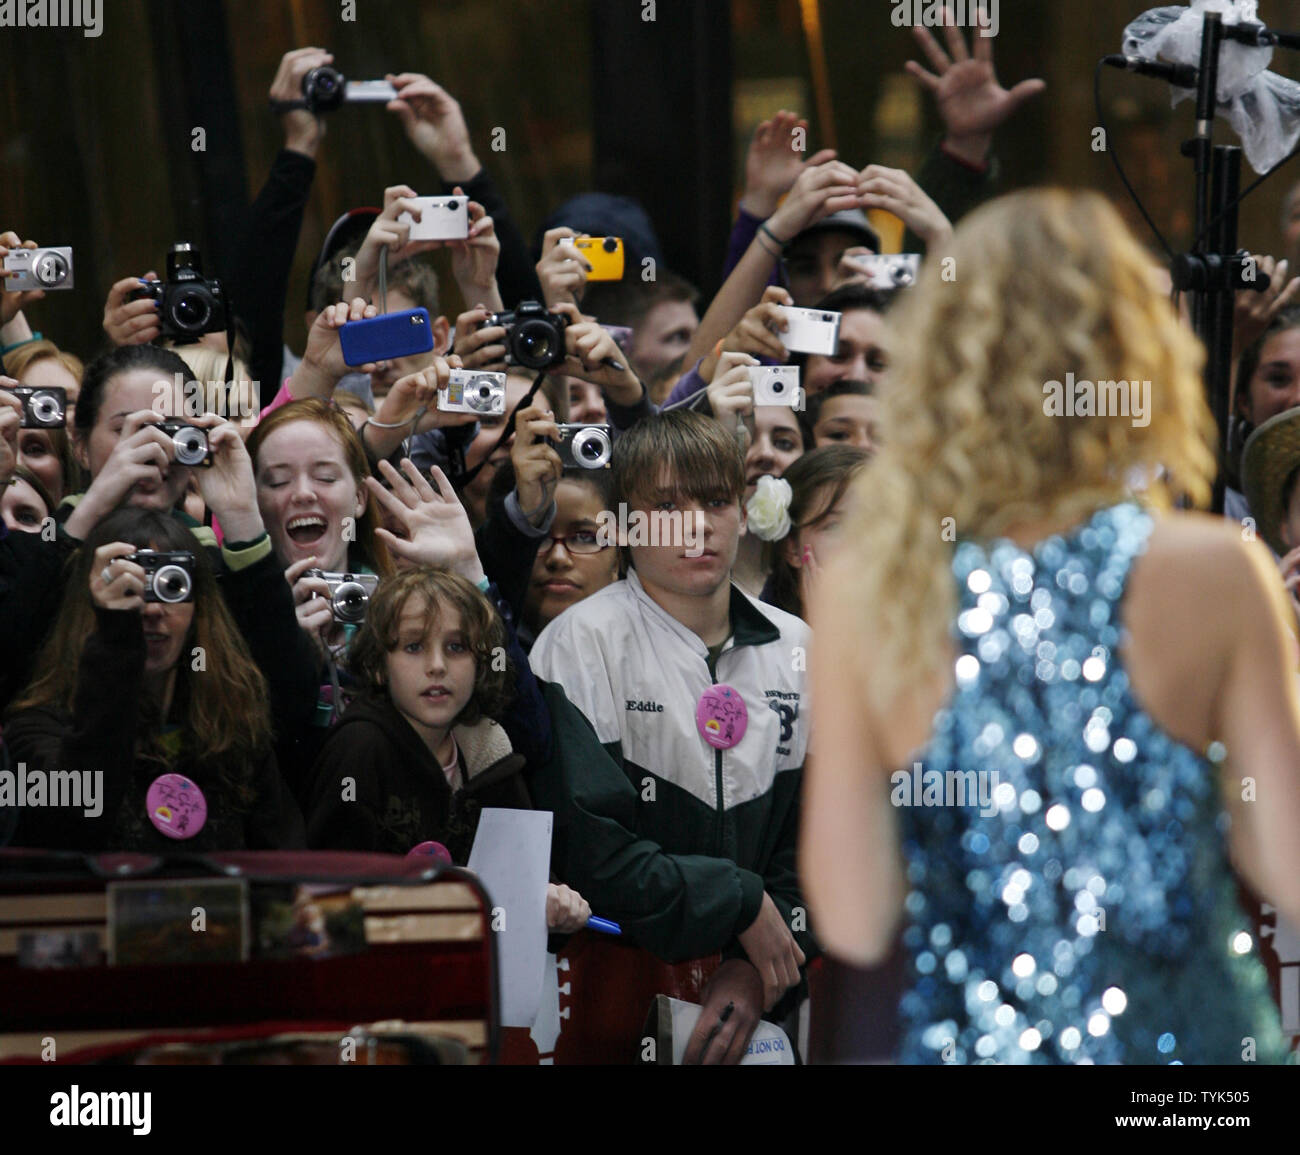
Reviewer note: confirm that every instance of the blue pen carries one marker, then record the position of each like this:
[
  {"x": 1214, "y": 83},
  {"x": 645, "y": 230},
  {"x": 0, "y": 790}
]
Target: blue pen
[{"x": 603, "y": 924}]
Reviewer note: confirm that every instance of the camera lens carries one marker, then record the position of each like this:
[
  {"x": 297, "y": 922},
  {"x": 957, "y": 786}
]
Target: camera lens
[
  {"x": 611, "y": 244},
  {"x": 191, "y": 446},
  {"x": 172, "y": 584},
  {"x": 191, "y": 311},
  {"x": 323, "y": 88},
  {"x": 534, "y": 345},
  {"x": 902, "y": 275},
  {"x": 776, "y": 385},
  {"x": 46, "y": 408},
  {"x": 591, "y": 448},
  {"x": 51, "y": 269},
  {"x": 451, "y": 206},
  {"x": 350, "y": 601}
]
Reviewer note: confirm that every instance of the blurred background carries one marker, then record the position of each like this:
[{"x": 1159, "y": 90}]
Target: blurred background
[{"x": 95, "y": 134}]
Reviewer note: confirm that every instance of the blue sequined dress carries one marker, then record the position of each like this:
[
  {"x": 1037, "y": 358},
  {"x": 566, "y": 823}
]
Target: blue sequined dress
[{"x": 1082, "y": 908}]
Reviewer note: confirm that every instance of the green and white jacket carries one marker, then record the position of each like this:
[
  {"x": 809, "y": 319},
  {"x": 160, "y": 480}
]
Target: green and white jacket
[{"x": 674, "y": 839}]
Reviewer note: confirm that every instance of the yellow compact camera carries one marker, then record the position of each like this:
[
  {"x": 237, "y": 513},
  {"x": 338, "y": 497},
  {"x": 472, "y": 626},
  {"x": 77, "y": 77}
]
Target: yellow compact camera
[{"x": 603, "y": 254}]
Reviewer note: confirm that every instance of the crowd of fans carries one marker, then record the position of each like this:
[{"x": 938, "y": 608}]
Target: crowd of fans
[{"x": 512, "y": 653}]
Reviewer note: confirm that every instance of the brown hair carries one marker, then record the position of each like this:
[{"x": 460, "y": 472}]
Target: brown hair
[
  {"x": 17, "y": 364},
  {"x": 818, "y": 473},
  {"x": 703, "y": 460},
  {"x": 224, "y": 708},
  {"x": 485, "y": 635},
  {"x": 368, "y": 549}
]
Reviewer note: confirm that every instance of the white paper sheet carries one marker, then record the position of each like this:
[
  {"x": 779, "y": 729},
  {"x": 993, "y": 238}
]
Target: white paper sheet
[{"x": 512, "y": 855}]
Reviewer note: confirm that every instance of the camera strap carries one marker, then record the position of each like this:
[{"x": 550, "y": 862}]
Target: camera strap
[{"x": 463, "y": 479}]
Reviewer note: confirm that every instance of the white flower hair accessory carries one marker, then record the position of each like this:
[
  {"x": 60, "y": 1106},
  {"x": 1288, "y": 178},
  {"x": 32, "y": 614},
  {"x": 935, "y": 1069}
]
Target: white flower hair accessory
[{"x": 768, "y": 511}]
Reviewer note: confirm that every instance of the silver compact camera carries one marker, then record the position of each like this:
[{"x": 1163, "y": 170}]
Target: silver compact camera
[
  {"x": 892, "y": 271},
  {"x": 776, "y": 385},
  {"x": 168, "y": 577},
  {"x": 189, "y": 443},
  {"x": 470, "y": 391},
  {"x": 585, "y": 446},
  {"x": 43, "y": 408},
  {"x": 38, "y": 269},
  {"x": 441, "y": 219},
  {"x": 810, "y": 330},
  {"x": 350, "y": 593}
]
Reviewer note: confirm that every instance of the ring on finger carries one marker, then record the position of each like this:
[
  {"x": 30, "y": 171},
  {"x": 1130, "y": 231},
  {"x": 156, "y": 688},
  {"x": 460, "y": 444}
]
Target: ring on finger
[{"x": 105, "y": 575}]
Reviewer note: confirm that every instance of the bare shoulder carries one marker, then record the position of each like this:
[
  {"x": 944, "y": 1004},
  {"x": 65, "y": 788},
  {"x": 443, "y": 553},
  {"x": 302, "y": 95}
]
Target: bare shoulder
[{"x": 1196, "y": 559}]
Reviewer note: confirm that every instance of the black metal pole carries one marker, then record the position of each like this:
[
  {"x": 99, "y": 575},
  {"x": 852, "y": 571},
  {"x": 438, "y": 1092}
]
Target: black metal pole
[{"x": 1220, "y": 301}]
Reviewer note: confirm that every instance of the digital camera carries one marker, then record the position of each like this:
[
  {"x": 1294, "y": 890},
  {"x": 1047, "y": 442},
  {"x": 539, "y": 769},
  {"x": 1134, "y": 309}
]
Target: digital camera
[
  {"x": 811, "y": 330},
  {"x": 585, "y": 446},
  {"x": 441, "y": 219},
  {"x": 891, "y": 271},
  {"x": 191, "y": 305},
  {"x": 350, "y": 593},
  {"x": 603, "y": 254},
  {"x": 325, "y": 89},
  {"x": 776, "y": 385},
  {"x": 46, "y": 269},
  {"x": 189, "y": 443},
  {"x": 534, "y": 338},
  {"x": 45, "y": 408},
  {"x": 386, "y": 337},
  {"x": 168, "y": 577},
  {"x": 469, "y": 391}
]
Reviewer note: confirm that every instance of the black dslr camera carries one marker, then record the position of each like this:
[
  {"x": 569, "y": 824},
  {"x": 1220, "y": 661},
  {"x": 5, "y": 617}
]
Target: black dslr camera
[
  {"x": 191, "y": 304},
  {"x": 169, "y": 577},
  {"x": 534, "y": 337}
]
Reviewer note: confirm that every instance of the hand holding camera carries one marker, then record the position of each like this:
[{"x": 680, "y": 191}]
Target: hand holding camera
[
  {"x": 895, "y": 191},
  {"x": 821, "y": 189},
  {"x": 303, "y": 129},
  {"x": 11, "y": 416},
  {"x": 479, "y": 345},
  {"x": 562, "y": 270},
  {"x": 435, "y": 125},
  {"x": 390, "y": 231},
  {"x": 311, "y": 601},
  {"x": 474, "y": 259},
  {"x": 322, "y": 361},
  {"x": 129, "y": 319},
  {"x": 189, "y": 304},
  {"x": 537, "y": 464},
  {"x": 43, "y": 408},
  {"x": 731, "y": 392},
  {"x": 534, "y": 337},
  {"x": 772, "y": 164},
  {"x": 599, "y": 359},
  {"x": 758, "y": 332},
  {"x": 16, "y": 275},
  {"x": 225, "y": 480},
  {"x": 396, "y": 419},
  {"x": 436, "y": 523},
  {"x": 124, "y": 577}
]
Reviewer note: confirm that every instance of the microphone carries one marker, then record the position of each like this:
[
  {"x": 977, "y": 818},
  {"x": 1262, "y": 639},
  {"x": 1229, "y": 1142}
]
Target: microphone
[{"x": 1179, "y": 75}]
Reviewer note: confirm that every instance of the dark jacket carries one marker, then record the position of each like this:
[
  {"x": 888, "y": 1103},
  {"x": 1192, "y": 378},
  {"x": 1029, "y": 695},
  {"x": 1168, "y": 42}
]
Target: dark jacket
[
  {"x": 398, "y": 795},
  {"x": 100, "y": 735}
]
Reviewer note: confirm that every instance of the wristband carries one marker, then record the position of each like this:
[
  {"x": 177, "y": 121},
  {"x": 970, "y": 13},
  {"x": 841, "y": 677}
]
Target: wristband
[
  {"x": 762, "y": 244},
  {"x": 971, "y": 166},
  {"x": 776, "y": 240},
  {"x": 483, "y": 584},
  {"x": 396, "y": 424},
  {"x": 19, "y": 344}
]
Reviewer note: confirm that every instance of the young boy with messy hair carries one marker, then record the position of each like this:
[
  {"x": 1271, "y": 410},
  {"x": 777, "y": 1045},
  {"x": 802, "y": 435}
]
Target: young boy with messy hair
[{"x": 687, "y": 834}]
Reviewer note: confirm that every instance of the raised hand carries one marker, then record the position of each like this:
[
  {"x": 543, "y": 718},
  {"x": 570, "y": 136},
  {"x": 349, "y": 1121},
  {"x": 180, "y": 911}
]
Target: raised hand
[
  {"x": 537, "y": 466},
  {"x": 562, "y": 271},
  {"x": 480, "y": 348},
  {"x": 115, "y": 583},
  {"x": 1253, "y": 311},
  {"x": 773, "y": 164},
  {"x": 11, "y": 304},
  {"x": 322, "y": 360},
  {"x": 11, "y": 417},
  {"x": 387, "y": 232},
  {"x": 437, "y": 525},
  {"x": 227, "y": 486},
  {"x": 971, "y": 102},
  {"x": 895, "y": 191},
  {"x": 434, "y": 123},
  {"x": 474, "y": 260},
  {"x": 822, "y": 189},
  {"x": 303, "y": 129}
]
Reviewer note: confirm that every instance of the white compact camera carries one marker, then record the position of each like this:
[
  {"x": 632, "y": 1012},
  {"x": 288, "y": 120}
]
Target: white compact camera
[
  {"x": 38, "y": 269},
  {"x": 441, "y": 219},
  {"x": 471, "y": 391},
  {"x": 892, "y": 271},
  {"x": 811, "y": 331},
  {"x": 776, "y": 385}
]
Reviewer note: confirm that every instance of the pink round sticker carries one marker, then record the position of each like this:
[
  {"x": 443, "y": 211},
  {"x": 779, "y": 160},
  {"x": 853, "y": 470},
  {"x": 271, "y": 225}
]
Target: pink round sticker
[
  {"x": 721, "y": 716},
  {"x": 433, "y": 850},
  {"x": 176, "y": 806}
]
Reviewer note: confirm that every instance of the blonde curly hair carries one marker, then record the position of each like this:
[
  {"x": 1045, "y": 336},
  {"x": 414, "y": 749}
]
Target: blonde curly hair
[{"x": 1044, "y": 283}]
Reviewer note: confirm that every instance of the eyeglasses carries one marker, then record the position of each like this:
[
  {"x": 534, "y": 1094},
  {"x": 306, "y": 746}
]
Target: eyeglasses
[{"x": 584, "y": 541}]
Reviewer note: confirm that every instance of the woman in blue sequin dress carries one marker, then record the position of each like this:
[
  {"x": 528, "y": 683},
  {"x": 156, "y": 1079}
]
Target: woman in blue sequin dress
[{"x": 1046, "y": 710}]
